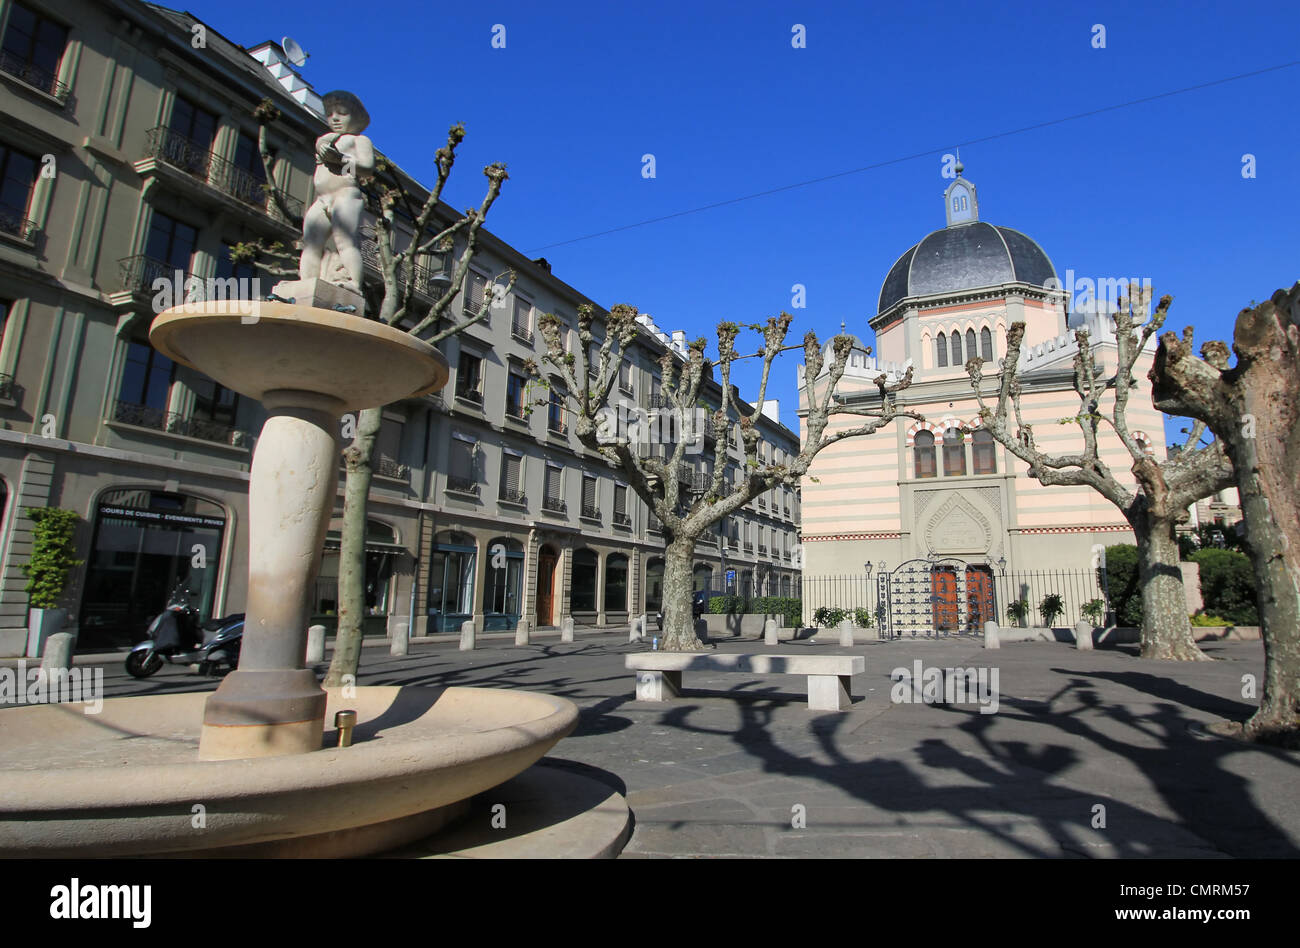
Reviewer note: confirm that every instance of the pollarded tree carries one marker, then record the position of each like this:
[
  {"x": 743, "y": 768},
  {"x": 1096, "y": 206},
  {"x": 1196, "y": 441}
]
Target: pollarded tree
[
  {"x": 410, "y": 234},
  {"x": 686, "y": 515},
  {"x": 1165, "y": 490},
  {"x": 1253, "y": 408}
]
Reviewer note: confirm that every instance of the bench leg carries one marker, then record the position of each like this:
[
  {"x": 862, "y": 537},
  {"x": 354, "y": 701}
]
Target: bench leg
[
  {"x": 829, "y": 693},
  {"x": 658, "y": 685}
]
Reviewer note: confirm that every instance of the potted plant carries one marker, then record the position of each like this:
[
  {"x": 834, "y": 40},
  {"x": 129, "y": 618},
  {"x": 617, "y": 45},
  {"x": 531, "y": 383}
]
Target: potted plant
[
  {"x": 47, "y": 572},
  {"x": 1017, "y": 611},
  {"x": 1050, "y": 608}
]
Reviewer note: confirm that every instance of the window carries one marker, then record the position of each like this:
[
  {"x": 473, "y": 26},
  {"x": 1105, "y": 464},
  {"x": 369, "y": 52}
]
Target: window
[
  {"x": 621, "y": 517},
  {"x": 476, "y": 294},
  {"x": 923, "y": 450},
  {"x": 171, "y": 243},
  {"x": 511, "y": 480},
  {"x": 521, "y": 325},
  {"x": 956, "y": 349},
  {"x": 146, "y": 377},
  {"x": 388, "y": 444},
  {"x": 188, "y": 144},
  {"x": 593, "y": 358},
  {"x": 460, "y": 476},
  {"x": 515, "y": 387},
  {"x": 970, "y": 343},
  {"x": 954, "y": 452},
  {"x": 228, "y": 269},
  {"x": 248, "y": 160},
  {"x": 986, "y": 344},
  {"x": 590, "y": 508},
  {"x": 625, "y": 376},
  {"x": 33, "y": 49},
  {"x": 616, "y": 583},
  {"x": 941, "y": 351},
  {"x": 17, "y": 180},
  {"x": 451, "y": 581},
  {"x": 212, "y": 402},
  {"x": 555, "y": 413},
  {"x": 583, "y": 596},
  {"x": 469, "y": 378},
  {"x": 984, "y": 452},
  {"x": 554, "y": 487}
]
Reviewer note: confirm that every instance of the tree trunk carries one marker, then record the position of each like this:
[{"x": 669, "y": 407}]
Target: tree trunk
[
  {"x": 1166, "y": 631},
  {"x": 352, "y": 552},
  {"x": 679, "y": 624}
]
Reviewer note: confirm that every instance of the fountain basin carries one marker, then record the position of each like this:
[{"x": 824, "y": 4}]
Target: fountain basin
[
  {"x": 127, "y": 781},
  {"x": 254, "y": 347}
]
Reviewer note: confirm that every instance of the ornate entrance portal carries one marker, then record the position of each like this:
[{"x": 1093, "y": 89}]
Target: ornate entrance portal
[{"x": 938, "y": 596}]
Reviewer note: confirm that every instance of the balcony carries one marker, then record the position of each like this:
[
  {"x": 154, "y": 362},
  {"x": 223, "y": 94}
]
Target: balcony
[
  {"x": 42, "y": 80},
  {"x": 462, "y": 485},
  {"x": 661, "y": 401},
  {"x": 554, "y": 505},
  {"x": 622, "y": 519},
  {"x": 654, "y": 524},
  {"x": 762, "y": 549},
  {"x": 387, "y": 467},
  {"x": 471, "y": 395},
  {"x": 749, "y": 549},
  {"x": 16, "y": 225},
  {"x": 591, "y": 511},
  {"x": 517, "y": 413},
  {"x": 8, "y": 389},
  {"x": 522, "y": 333},
  {"x": 430, "y": 282},
  {"x": 169, "y": 149},
  {"x": 513, "y": 497},
  {"x": 143, "y": 416},
  {"x": 556, "y": 427}
]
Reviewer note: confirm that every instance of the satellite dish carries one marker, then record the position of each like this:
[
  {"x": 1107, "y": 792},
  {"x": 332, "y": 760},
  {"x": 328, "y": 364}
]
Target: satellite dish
[{"x": 293, "y": 52}]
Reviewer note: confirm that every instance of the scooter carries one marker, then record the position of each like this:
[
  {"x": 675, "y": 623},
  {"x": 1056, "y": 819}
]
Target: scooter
[{"x": 221, "y": 642}]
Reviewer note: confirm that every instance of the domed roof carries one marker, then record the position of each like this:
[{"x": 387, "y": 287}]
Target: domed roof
[{"x": 965, "y": 257}]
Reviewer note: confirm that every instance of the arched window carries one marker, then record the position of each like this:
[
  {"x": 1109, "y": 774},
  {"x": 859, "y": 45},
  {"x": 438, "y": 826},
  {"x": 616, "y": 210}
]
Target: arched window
[
  {"x": 923, "y": 449},
  {"x": 970, "y": 343},
  {"x": 616, "y": 583},
  {"x": 956, "y": 348},
  {"x": 984, "y": 451},
  {"x": 941, "y": 351},
  {"x": 986, "y": 344},
  {"x": 954, "y": 452}
]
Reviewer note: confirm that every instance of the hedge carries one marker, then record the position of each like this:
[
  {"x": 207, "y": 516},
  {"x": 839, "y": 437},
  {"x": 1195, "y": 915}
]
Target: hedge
[
  {"x": 1228, "y": 585},
  {"x": 1125, "y": 589},
  {"x": 790, "y": 608}
]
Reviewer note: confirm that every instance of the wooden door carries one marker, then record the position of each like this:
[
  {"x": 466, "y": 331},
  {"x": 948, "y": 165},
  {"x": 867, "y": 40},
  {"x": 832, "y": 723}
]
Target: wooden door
[
  {"x": 979, "y": 597},
  {"x": 546, "y": 561},
  {"x": 943, "y": 598}
]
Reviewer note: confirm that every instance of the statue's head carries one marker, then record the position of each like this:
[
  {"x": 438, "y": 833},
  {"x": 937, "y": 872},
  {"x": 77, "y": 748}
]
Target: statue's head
[{"x": 345, "y": 113}]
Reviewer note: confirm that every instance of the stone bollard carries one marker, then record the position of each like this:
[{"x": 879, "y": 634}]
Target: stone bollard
[
  {"x": 1083, "y": 635},
  {"x": 566, "y": 629},
  {"x": 769, "y": 632},
  {"x": 467, "y": 636},
  {"x": 315, "y": 644},
  {"x": 991, "y": 635},
  {"x": 634, "y": 630},
  {"x": 401, "y": 643},
  {"x": 846, "y": 633},
  {"x": 523, "y": 632},
  {"x": 644, "y": 627},
  {"x": 58, "y": 651}
]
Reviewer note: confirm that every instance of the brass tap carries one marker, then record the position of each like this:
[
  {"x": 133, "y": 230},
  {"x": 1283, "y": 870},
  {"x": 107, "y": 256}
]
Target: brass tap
[{"x": 345, "y": 721}]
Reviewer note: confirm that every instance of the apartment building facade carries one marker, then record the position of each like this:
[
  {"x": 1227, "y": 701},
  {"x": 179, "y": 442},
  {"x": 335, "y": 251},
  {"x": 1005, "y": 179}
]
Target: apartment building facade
[{"x": 128, "y": 155}]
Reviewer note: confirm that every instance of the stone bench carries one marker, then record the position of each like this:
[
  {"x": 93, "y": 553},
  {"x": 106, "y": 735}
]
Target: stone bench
[{"x": 659, "y": 674}]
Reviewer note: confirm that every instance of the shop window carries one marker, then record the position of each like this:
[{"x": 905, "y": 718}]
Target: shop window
[
  {"x": 504, "y": 584},
  {"x": 616, "y": 583},
  {"x": 451, "y": 581},
  {"x": 583, "y": 595}
]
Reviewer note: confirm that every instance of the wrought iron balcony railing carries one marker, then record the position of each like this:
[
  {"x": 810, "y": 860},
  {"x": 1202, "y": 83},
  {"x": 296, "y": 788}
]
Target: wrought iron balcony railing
[
  {"x": 471, "y": 395},
  {"x": 430, "y": 281},
  {"x": 655, "y": 525},
  {"x": 556, "y": 427},
  {"x": 462, "y": 485},
  {"x": 143, "y": 416},
  {"x": 661, "y": 401},
  {"x": 139, "y": 272},
  {"x": 387, "y": 467},
  {"x": 189, "y": 156},
  {"x": 517, "y": 412},
  {"x": 554, "y": 505},
  {"x": 15, "y": 224},
  {"x": 622, "y": 519},
  {"x": 522, "y": 333},
  {"x": 749, "y": 548},
  {"x": 8, "y": 390},
  {"x": 591, "y": 511},
  {"x": 514, "y": 497},
  {"x": 33, "y": 75},
  {"x": 762, "y": 549}
]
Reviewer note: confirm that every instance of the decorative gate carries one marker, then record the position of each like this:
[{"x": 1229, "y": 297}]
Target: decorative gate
[{"x": 941, "y": 596}]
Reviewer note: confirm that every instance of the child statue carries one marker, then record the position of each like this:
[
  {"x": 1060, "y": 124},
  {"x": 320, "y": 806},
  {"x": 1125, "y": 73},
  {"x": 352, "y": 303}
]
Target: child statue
[{"x": 344, "y": 159}]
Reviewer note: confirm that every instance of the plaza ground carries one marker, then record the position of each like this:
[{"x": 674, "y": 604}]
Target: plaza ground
[{"x": 739, "y": 767}]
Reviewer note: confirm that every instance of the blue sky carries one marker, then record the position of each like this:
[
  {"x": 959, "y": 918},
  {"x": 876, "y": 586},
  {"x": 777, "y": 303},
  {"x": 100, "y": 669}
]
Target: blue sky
[{"x": 729, "y": 108}]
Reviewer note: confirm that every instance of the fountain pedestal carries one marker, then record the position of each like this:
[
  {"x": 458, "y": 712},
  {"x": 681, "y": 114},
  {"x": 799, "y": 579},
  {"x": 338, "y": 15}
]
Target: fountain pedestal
[{"x": 307, "y": 366}]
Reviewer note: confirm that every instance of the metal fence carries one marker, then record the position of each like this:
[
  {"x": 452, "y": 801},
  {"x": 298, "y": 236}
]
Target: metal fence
[{"x": 949, "y": 597}]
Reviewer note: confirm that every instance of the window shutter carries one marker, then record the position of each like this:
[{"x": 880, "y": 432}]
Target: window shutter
[
  {"x": 620, "y": 499},
  {"x": 552, "y": 483},
  {"x": 510, "y": 473},
  {"x": 588, "y": 492},
  {"x": 477, "y": 292}
]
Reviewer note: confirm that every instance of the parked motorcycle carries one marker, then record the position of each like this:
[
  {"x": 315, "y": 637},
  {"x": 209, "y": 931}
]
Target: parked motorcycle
[{"x": 177, "y": 637}]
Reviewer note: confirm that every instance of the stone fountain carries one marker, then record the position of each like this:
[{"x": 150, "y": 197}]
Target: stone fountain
[{"x": 254, "y": 757}]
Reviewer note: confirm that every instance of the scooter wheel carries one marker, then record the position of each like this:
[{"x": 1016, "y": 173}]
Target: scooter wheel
[{"x": 143, "y": 664}]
